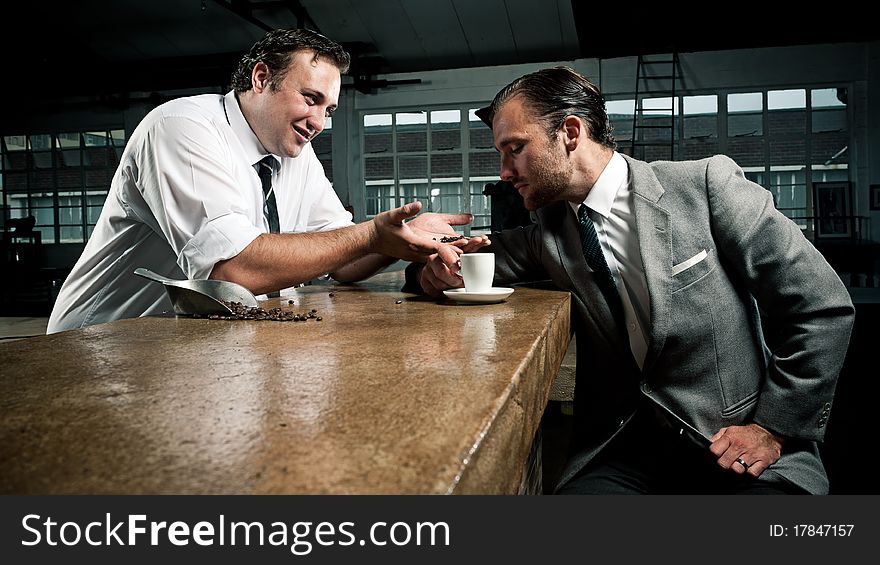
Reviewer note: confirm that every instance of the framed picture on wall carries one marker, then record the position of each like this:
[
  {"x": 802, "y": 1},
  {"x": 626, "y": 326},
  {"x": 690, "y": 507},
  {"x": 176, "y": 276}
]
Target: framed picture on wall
[
  {"x": 833, "y": 204},
  {"x": 875, "y": 197}
]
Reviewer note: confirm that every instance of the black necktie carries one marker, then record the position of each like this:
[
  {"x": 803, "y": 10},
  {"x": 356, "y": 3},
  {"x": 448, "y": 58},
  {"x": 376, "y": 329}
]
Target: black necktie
[
  {"x": 596, "y": 261},
  {"x": 270, "y": 208}
]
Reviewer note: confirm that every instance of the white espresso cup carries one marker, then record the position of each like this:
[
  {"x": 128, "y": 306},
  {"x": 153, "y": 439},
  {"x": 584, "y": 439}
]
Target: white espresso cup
[{"x": 478, "y": 270}]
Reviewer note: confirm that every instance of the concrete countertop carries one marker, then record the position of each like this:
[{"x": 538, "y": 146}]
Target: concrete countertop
[{"x": 377, "y": 397}]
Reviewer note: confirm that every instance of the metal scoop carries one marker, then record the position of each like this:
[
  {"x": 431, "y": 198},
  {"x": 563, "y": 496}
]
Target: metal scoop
[{"x": 201, "y": 297}]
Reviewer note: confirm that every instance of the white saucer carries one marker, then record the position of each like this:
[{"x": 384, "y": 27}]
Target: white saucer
[{"x": 491, "y": 296}]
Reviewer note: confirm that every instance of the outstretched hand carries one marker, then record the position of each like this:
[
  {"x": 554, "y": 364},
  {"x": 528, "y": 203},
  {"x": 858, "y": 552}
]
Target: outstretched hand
[
  {"x": 437, "y": 226},
  {"x": 394, "y": 236}
]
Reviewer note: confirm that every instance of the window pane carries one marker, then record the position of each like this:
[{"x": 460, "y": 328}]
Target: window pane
[
  {"x": 40, "y": 142},
  {"x": 71, "y": 157},
  {"x": 481, "y": 208},
  {"x": 15, "y": 182},
  {"x": 412, "y": 131},
  {"x": 620, "y": 113},
  {"x": 786, "y": 112},
  {"x": 790, "y": 152},
  {"x": 480, "y": 134},
  {"x": 95, "y": 138},
  {"x": 15, "y": 142},
  {"x": 377, "y": 133},
  {"x": 445, "y": 130},
  {"x": 68, "y": 140},
  {"x": 323, "y": 144},
  {"x": 446, "y": 197},
  {"x": 700, "y": 127},
  {"x": 323, "y": 147},
  {"x": 829, "y": 110},
  {"x": 379, "y": 168},
  {"x": 42, "y": 159},
  {"x": 744, "y": 114},
  {"x": 446, "y": 166},
  {"x": 830, "y": 127},
  {"x": 413, "y": 168},
  {"x": 484, "y": 164},
  {"x": 700, "y": 117},
  {"x": 72, "y": 234},
  {"x": 117, "y": 137},
  {"x": 410, "y": 191},
  {"x": 380, "y": 197},
  {"x": 789, "y": 189},
  {"x": 93, "y": 213},
  {"x": 756, "y": 175},
  {"x": 747, "y": 151},
  {"x": 70, "y": 216}
]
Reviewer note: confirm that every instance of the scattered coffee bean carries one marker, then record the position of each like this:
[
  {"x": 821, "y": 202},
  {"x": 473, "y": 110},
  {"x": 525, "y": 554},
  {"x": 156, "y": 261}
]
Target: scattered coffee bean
[
  {"x": 242, "y": 312},
  {"x": 289, "y": 302},
  {"x": 331, "y": 295}
]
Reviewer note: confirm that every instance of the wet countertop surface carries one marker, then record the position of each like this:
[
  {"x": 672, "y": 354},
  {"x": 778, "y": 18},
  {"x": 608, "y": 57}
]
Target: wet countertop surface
[{"x": 377, "y": 397}]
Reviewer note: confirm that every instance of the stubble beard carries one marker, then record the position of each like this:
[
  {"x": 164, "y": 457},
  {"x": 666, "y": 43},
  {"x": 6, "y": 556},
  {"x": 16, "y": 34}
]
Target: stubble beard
[{"x": 551, "y": 176}]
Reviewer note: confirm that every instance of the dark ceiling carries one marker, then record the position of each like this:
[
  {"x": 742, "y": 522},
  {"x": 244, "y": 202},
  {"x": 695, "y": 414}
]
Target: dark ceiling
[{"x": 63, "y": 50}]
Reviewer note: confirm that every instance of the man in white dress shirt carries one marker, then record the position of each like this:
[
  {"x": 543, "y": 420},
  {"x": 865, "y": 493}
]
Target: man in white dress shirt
[{"x": 187, "y": 200}]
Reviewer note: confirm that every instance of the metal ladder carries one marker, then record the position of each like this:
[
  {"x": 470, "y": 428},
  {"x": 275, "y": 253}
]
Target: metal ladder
[{"x": 653, "y": 133}]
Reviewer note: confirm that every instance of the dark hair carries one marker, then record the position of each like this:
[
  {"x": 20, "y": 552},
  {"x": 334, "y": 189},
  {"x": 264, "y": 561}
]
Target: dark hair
[
  {"x": 556, "y": 93},
  {"x": 275, "y": 50}
]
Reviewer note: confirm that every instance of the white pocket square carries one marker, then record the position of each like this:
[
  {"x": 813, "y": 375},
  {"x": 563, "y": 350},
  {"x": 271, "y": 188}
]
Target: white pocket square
[{"x": 684, "y": 265}]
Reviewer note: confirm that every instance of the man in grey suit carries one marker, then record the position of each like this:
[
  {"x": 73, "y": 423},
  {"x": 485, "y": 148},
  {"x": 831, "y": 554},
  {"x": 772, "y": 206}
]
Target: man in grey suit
[{"x": 710, "y": 331}]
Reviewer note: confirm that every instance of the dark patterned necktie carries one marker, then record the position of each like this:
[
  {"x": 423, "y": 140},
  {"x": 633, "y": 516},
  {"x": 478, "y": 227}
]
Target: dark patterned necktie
[
  {"x": 270, "y": 208},
  {"x": 596, "y": 260}
]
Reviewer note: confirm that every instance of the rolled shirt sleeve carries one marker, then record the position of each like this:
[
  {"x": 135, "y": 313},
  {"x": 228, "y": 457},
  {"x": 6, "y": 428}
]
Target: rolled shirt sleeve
[{"x": 198, "y": 195}]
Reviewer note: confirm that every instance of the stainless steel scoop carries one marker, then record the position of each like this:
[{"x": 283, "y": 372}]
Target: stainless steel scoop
[{"x": 201, "y": 297}]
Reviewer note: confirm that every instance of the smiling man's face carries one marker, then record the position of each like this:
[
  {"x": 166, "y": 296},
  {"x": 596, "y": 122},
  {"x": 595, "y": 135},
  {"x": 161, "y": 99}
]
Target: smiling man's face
[{"x": 287, "y": 118}]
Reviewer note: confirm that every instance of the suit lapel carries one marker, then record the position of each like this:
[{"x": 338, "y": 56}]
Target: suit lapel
[
  {"x": 571, "y": 257},
  {"x": 655, "y": 243}
]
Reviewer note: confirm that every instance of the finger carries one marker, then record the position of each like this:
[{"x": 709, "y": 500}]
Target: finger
[
  {"x": 475, "y": 243},
  {"x": 719, "y": 445},
  {"x": 447, "y": 276},
  {"x": 756, "y": 468},
  {"x": 718, "y": 434},
  {"x": 430, "y": 284},
  {"x": 398, "y": 215},
  {"x": 455, "y": 219},
  {"x": 740, "y": 466},
  {"x": 449, "y": 255}
]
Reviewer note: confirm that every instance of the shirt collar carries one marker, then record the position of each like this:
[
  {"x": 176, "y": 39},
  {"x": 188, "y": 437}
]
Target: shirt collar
[
  {"x": 601, "y": 197},
  {"x": 254, "y": 150}
]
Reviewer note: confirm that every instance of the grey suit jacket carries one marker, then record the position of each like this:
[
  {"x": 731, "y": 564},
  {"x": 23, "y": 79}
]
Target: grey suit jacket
[{"x": 717, "y": 254}]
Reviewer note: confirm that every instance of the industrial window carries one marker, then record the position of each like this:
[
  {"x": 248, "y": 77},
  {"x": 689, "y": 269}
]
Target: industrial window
[
  {"x": 61, "y": 179},
  {"x": 442, "y": 157},
  {"x": 785, "y": 140}
]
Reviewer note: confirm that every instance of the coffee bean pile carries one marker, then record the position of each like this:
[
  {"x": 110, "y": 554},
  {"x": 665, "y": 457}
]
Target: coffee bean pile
[
  {"x": 450, "y": 238},
  {"x": 242, "y": 312}
]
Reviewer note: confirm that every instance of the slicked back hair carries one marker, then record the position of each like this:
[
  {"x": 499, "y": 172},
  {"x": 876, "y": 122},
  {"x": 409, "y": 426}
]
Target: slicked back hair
[{"x": 555, "y": 93}]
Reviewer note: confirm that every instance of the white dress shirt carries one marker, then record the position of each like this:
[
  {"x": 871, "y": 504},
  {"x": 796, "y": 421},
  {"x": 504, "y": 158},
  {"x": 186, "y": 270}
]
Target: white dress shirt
[
  {"x": 611, "y": 202},
  {"x": 186, "y": 195}
]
